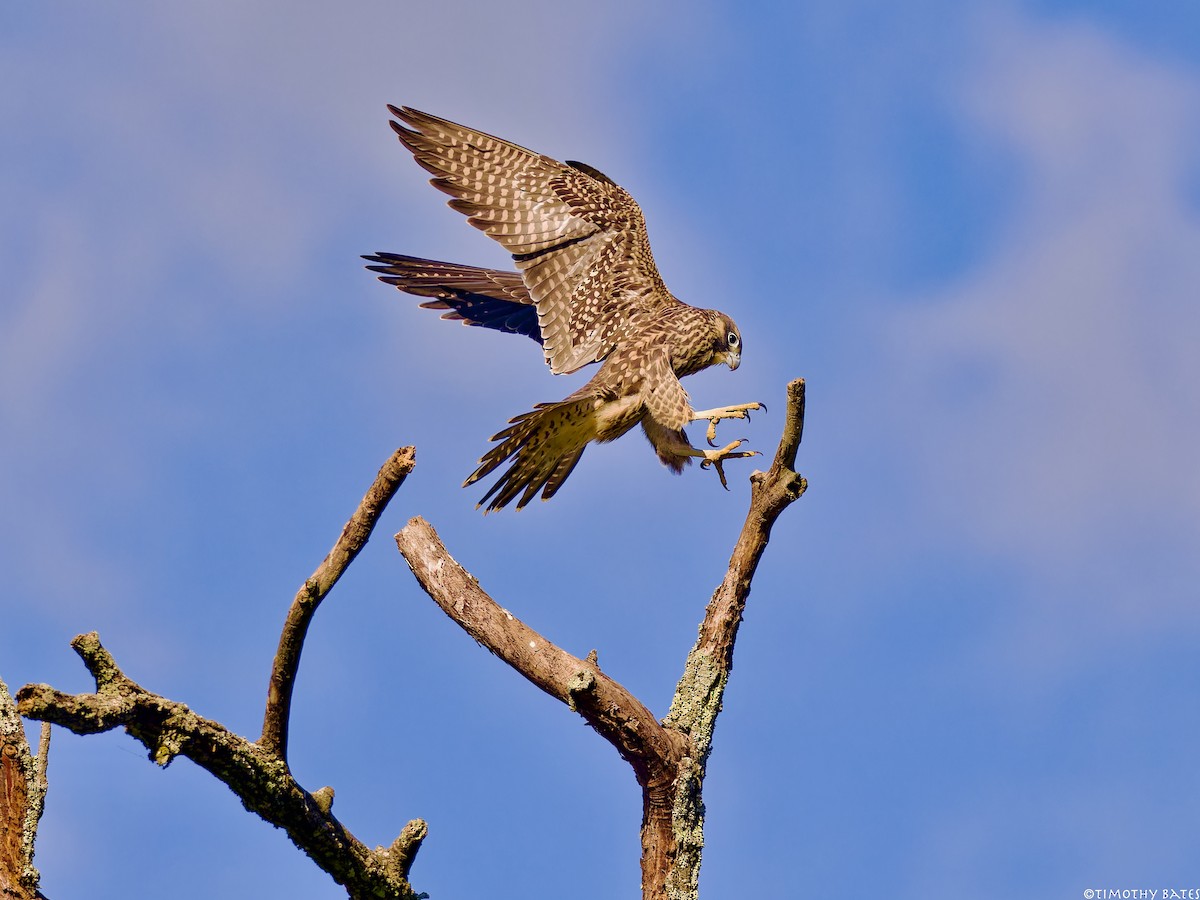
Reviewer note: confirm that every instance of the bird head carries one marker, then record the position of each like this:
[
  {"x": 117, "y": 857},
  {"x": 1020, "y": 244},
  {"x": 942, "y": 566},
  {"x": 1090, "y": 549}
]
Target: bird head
[{"x": 728, "y": 342}]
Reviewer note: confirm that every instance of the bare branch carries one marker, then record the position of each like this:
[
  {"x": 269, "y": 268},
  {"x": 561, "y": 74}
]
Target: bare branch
[
  {"x": 608, "y": 707},
  {"x": 697, "y": 700},
  {"x": 404, "y": 849},
  {"x": 620, "y": 718},
  {"x": 258, "y": 777},
  {"x": 43, "y": 760},
  {"x": 793, "y": 428},
  {"x": 291, "y": 642}
]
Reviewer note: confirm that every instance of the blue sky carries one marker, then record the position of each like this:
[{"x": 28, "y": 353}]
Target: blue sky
[{"x": 968, "y": 667}]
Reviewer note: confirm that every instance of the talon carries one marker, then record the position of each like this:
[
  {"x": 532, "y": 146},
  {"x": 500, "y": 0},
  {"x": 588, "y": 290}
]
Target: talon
[
  {"x": 716, "y": 464},
  {"x": 721, "y": 474},
  {"x": 713, "y": 416},
  {"x": 716, "y": 458},
  {"x": 755, "y": 407}
]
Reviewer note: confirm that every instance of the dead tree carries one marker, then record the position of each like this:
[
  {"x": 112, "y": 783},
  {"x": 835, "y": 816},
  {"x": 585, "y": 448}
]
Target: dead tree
[{"x": 668, "y": 756}]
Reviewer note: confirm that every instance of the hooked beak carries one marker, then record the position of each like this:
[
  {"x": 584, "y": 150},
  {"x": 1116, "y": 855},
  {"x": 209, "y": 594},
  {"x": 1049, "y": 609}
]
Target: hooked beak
[{"x": 733, "y": 359}]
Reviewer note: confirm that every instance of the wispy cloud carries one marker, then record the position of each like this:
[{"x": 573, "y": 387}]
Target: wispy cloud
[{"x": 1055, "y": 388}]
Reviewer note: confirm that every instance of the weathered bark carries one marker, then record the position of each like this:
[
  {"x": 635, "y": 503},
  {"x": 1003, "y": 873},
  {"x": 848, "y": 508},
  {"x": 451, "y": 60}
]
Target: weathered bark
[
  {"x": 609, "y": 708},
  {"x": 258, "y": 777},
  {"x": 22, "y": 794}
]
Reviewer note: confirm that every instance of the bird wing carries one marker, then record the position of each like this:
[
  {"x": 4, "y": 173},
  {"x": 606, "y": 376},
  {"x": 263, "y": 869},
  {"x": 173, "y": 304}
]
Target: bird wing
[
  {"x": 666, "y": 400},
  {"x": 490, "y": 298},
  {"x": 578, "y": 238},
  {"x": 428, "y": 277}
]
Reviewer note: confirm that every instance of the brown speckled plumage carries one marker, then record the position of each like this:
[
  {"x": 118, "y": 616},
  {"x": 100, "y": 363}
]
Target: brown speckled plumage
[{"x": 580, "y": 243}]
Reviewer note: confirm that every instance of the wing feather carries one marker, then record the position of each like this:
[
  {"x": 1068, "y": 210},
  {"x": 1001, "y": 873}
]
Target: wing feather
[
  {"x": 426, "y": 277},
  {"x": 475, "y": 296},
  {"x": 578, "y": 238},
  {"x": 666, "y": 400}
]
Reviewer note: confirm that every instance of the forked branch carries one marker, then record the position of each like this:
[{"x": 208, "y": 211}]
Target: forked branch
[
  {"x": 260, "y": 779},
  {"x": 668, "y": 758},
  {"x": 256, "y": 772}
]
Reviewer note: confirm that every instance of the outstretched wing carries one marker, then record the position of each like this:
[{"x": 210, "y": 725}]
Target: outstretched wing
[
  {"x": 487, "y": 297},
  {"x": 578, "y": 238}
]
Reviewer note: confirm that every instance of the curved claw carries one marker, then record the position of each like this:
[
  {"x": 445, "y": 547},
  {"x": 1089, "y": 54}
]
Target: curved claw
[
  {"x": 714, "y": 416},
  {"x": 721, "y": 474},
  {"x": 754, "y": 406},
  {"x": 716, "y": 464},
  {"x": 717, "y": 458}
]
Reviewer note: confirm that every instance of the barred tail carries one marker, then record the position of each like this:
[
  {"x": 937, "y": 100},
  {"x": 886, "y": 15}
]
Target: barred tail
[{"x": 545, "y": 445}]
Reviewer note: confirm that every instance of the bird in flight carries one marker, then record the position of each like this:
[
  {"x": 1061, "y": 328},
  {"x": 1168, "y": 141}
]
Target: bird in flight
[{"x": 587, "y": 290}]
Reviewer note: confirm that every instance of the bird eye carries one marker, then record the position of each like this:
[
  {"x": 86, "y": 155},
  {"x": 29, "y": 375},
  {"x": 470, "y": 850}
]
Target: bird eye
[{"x": 732, "y": 339}]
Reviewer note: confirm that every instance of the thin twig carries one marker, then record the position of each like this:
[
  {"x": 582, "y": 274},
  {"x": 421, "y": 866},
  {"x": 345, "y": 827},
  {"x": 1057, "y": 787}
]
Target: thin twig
[{"x": 291, "y": 641}]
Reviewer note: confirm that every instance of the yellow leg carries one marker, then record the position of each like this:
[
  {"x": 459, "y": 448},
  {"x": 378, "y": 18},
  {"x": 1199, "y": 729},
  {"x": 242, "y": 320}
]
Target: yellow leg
[
  {"x": 713, "y": 416},
  {"x": 715, "y": 458}
]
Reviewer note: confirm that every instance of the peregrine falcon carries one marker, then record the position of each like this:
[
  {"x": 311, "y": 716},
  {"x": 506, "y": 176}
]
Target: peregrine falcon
[{"x": 587, "y": 291}]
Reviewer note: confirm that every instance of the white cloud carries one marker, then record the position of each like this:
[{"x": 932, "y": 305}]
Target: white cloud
[{"x": 1057, "y": 385}]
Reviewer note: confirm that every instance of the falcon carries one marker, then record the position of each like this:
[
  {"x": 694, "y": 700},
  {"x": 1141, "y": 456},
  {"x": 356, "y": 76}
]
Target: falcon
[{"x": 586, "y": 289}]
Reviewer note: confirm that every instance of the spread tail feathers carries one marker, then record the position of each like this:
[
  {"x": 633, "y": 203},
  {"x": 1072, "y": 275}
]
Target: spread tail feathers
[{"x": 545, "y": 444}]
